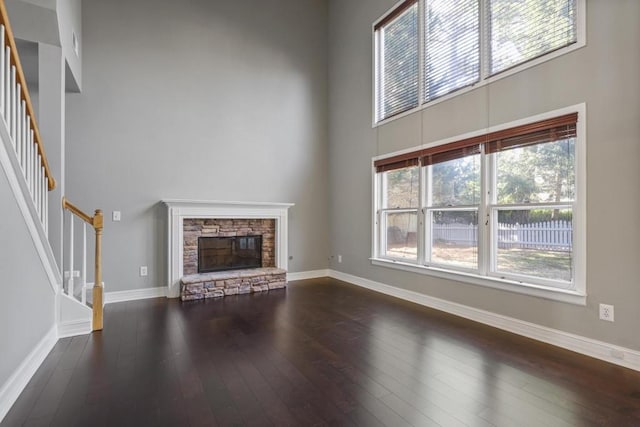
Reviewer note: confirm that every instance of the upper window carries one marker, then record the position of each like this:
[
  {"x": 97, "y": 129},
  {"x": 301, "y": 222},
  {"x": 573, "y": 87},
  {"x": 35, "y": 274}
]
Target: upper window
[
  {"x": 397, "y": 62},
  {"x": 524, "y": 30},
  {"x": 426, "y": 49},
  {"x": 451, "y": 46},
  {"x": 501, "y": 205}
]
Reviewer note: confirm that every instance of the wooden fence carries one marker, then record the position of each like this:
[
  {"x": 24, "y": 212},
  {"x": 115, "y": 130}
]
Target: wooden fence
[{"x": 546, "y": 235}]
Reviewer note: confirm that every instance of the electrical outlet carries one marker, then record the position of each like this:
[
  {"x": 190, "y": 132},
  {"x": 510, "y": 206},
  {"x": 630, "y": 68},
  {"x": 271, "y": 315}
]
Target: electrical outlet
[
  {"x": 339, "y": 259},
  {"x": 76, "y": 273},
  {"x": 143, "y": 271},
  {"x": 116, "y": 216},
  {"x": 606, "y": 312}
]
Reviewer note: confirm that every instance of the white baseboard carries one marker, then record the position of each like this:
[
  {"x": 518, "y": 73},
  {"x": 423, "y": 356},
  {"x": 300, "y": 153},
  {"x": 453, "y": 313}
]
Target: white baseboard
[
  {"x": 304, "y": 275},
  {"x": 74, "y": 328},
  {"x": 134, "y": 294},
  {"x": 598, "y": 349},
  {"x": 18, "y": 381}
]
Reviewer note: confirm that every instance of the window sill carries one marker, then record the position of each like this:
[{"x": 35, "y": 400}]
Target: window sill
[{"x": 562, "y": 295}]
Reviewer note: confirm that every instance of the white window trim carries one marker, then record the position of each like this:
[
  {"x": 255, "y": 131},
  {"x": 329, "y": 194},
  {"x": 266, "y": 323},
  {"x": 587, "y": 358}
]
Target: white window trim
[
  {"x": 576, "y": 295},
  {"x": 485, "y": 79}
]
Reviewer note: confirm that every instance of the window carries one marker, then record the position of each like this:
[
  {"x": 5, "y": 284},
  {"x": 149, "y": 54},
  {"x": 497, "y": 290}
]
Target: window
[
  {"x": 451, "y": 46},
  {"x": 397, "y": 63},
  {"x": 399, "y": 210},
  {"x": 452, "y": 202},
  {"x": 427, "y": 49},
  {"x": 500, "y": 205},
  {"x": 523, "y": 30}
]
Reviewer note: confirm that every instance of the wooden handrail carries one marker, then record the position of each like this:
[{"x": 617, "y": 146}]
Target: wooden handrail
[
  {"x": 24, "y": 95},
  {"x": 76, "y": 211},
  {"x": 97, "y": 222}
]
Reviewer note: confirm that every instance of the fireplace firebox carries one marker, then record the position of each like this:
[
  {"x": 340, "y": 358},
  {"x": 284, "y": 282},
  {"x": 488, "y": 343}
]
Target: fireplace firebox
[{"x": 229, "y": 253}]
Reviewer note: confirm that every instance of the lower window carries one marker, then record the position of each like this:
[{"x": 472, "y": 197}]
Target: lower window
[{"x": 502, "y": 205}]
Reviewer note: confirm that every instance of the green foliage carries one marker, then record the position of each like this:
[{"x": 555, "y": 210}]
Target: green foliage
[
  {"x": 533, "y": 216},
  {"x": 402, "y": 187},
  {"x": 524, "y": 29},
  {"x": 537, "y": 173},
  {"x": 456, "y": 182},
  {"x": 452, "y": 46}
]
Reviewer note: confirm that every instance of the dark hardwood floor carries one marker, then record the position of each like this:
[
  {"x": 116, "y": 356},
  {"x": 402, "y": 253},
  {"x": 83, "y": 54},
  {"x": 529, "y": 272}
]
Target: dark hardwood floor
[{"x": 320, "y": 353}]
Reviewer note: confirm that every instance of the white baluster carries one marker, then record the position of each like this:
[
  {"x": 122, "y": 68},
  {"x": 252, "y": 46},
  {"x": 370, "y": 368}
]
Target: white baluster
[
  {"x": 15, "y": 87},
  {"x": 70, "y": 282},
  {"x": 28, "y": 149},
  {"x": 46, "y": 200},
  {"x": 2, "y": 71},
  {"x": 32, "y": 152},
  {"x": 43, "y": 197},
  {"x": 33, "y": 148},
  {"x": 84, "y": 263},
  {"x": 18, "y": 135},
  {"x": 38, "y": 186},
  {"x": 23, "y": 140},
  {"x": 7, "y": 86},
  {"x": 12, "y": 114},
  {"x": 24, "y": 147},
  {"x": 40, "y": 194},
  {"x": 27, "y": 137}
]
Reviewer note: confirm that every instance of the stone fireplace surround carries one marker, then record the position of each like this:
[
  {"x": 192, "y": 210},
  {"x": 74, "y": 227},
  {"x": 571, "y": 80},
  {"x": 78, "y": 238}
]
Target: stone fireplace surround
[
  {"x": 193, "y": 228},
  {"x": 179, "y": 211}
]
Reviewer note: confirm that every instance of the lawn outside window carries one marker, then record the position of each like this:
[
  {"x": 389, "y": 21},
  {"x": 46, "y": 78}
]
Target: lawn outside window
[{"x": 503, "y": 208}]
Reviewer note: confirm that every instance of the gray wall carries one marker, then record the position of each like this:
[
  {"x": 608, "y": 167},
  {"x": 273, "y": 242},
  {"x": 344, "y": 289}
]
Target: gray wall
[
  {"x": 27, "y": 303},
  {"x": 69, "y": 22},
  {"x": 603, "y": 74},
  {"x": 216, "y": 100}
]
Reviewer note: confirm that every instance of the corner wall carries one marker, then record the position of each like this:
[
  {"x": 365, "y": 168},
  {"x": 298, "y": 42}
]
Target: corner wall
[
  {"x": 603, "y": 74},
  {"x": 199, "y": 100}
]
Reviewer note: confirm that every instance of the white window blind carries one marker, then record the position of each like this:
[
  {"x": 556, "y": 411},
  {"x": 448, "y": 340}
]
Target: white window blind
[
  {"x": 452, "y": 46},
  {"x": 398, "y": 61},
  {"x": 521, "y": 30},
  {"x": 429, "y": 49}
]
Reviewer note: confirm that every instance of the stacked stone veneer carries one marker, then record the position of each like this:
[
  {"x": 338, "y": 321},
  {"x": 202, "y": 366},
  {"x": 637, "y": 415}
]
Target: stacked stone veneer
[
  {"x": 194, "y": 286},
  {"x": 234, "y": 282},
  {"x": 196, "y": 227}
]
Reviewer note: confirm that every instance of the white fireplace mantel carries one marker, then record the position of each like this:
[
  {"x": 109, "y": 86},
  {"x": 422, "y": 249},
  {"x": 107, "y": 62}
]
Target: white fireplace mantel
[{"x": 179, "y": 210}]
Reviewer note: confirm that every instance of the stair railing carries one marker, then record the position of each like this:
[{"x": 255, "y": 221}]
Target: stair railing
[
  {"x": 17, "y": 111},
  {"x": 96, "y": 221}
]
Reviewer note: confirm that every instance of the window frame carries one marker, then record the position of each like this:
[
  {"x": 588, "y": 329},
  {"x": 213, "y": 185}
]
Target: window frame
[
  {"x": 397, "y": 11},
  {"x": 382, "y": 211},
  {"x": 485, "y": 75},
  {"x": 487, "y": 275}
]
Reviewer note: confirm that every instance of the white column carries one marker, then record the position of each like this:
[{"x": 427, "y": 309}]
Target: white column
[{"x": 51, "y": 118}]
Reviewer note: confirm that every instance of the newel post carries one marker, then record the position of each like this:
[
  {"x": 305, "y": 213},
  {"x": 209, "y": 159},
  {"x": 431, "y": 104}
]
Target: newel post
[{"x": 97, "y": 286}]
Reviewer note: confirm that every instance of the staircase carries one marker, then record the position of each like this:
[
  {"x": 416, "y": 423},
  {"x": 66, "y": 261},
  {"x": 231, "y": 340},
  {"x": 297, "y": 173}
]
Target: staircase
[{"x": 24, "y": 162}]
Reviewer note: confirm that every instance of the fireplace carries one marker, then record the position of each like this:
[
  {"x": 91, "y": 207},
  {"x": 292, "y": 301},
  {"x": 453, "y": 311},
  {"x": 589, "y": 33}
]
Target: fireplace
[
  {"x": 231, "y": 237},
  {"x": 189, "y": 220},
  {"x": 229, "y": 253}
]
